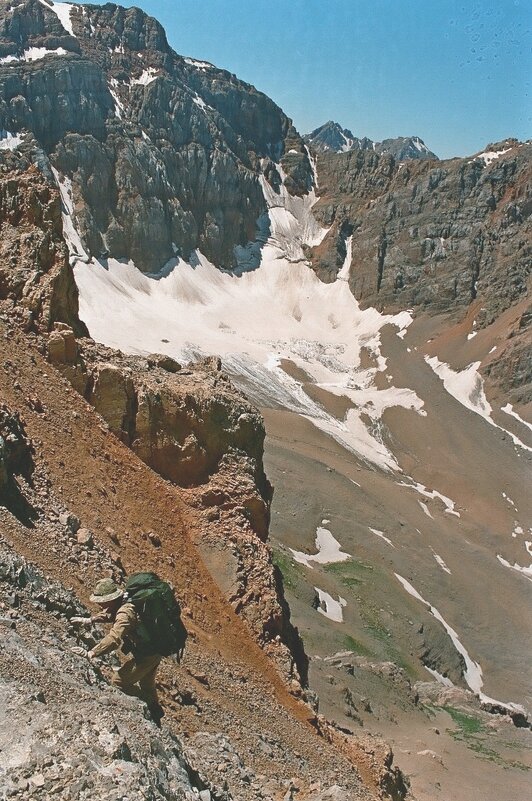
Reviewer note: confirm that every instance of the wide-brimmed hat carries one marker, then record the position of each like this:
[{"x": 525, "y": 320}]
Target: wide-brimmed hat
[{"x": 105, "y": 591}]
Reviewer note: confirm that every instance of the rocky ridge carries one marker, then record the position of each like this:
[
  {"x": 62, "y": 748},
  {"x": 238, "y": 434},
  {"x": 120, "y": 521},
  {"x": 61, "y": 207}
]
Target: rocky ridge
[
  {"x": 332, "y": 137},
  {"x": 442, "y": 238}
]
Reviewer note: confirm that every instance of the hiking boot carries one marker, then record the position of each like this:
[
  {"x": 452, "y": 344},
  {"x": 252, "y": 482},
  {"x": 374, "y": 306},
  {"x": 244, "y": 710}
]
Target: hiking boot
[{"x": 156, "y": 712}]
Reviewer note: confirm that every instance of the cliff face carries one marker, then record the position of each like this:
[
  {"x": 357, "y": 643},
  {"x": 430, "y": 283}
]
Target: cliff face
[
  {"x": 429, "y": 235},
  {"x": 36, "y": 282},
  {"x": 164, "y": 153},
  {"x": 435, "y": 237}
]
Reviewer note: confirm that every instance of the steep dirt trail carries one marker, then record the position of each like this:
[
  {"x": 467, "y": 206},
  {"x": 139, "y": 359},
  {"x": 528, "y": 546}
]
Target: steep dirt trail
[{"x": 115, "y": 495}]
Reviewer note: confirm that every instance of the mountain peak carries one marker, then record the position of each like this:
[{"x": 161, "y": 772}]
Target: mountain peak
[{"x": 332, "y": 137}]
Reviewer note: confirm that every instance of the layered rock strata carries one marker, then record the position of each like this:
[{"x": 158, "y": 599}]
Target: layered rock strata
[{"x": 161, "y": 154}]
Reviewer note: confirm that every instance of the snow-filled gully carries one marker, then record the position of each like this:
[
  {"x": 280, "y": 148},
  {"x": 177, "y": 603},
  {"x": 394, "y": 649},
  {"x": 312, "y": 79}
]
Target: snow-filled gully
[
  {"x": 473, "y": 672},
  {"x": 254, "y": 319}
]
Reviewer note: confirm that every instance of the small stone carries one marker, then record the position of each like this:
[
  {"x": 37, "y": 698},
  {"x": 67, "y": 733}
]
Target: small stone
[
  {"x": 84, "y": 537},
  {"x": 37, "y": 780},
  {"x": 70, "y": 521},
  {"x": 154, "y": 539}
]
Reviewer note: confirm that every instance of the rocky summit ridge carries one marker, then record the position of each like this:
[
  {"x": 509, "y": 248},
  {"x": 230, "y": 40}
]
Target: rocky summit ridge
[{"x": 332, "y": 137}]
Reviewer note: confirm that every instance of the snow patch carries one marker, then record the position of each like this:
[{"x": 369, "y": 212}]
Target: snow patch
[
  {"x": 439, "y": 678},
  {"x": 328, "y": 550},
  {"x": 62, "y": 11},
  {"x": 329, "y": 607},
  {"x": 146, "y": 77},
  {"x": 119, "y": 106},
  {"x": 425, "y": 509},
  {"x": 381, "y": 535},
  {"x": 473, "y": 672},
  {"x": 421, "y": 488},
  {"x": 34, "y": 54},
  {"x": 467, "y": 387},
  {"x": 491, "y": 155},
  {"x": 9, "y": 141},
  {"x": 527, "y": 571},
  {"x": 509, "y": 409},
  {"x": 200, "y": 65},
  {"x": 441, "y": 562}
]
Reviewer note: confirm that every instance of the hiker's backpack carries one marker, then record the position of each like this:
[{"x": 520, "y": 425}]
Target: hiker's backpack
[{"x": 160, "y": 629}]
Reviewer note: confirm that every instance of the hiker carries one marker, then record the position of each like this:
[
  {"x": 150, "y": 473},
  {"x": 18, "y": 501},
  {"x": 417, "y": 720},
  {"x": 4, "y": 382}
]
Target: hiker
[{"x": 141, "y": 665}]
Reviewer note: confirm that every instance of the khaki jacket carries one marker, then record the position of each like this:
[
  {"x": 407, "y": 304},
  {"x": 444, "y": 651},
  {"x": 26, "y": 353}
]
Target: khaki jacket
[{"x": 122, "y": 634}]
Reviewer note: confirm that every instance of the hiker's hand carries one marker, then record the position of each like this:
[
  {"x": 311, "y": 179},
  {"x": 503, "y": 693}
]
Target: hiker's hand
[
  {"x": 79, "y": 651},
  {"x": 100, "y": 617}
]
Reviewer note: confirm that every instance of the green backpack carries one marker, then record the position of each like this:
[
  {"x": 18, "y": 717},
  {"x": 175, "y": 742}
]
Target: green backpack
[{"x": 161, "y": 630}]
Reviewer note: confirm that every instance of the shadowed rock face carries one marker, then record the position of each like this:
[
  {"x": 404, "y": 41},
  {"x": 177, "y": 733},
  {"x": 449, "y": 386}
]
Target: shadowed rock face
[{"x": 164, "y": 152}]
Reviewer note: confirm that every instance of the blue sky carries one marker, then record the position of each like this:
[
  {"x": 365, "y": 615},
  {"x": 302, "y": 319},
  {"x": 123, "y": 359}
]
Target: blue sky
[{"x": 457, "y": 74}]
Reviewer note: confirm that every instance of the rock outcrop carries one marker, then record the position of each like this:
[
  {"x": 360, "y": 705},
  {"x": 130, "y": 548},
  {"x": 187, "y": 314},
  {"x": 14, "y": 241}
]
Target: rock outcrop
[
  {"x": 196, "y": 430},
  {"x": 426, "y": 235},
  {"x": 36, "y": 282},
  {"x": 161, "y": 154}
]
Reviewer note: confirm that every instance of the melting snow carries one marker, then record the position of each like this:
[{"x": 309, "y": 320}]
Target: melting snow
[
  {"x": 273, "y": 308},
  {"x": 527, "y": 571},
  {"x": 329, "y": 607},
  {"x": 425, "y": 509},
  {"x": 473, "y": 672},
  {"x": 329, "y": 550},
  {"x": 63, "y": 11},
  {"x": 147, "y": 76},
  {"x": 421, "y": 488},
  {"x": 119, "y": 106},
  {"x": 438, "y": 676},
  {"x": 34, "y": 54},
  {"x": 381, "y": 535},
  {"x": 9, "y": 141},
  {"x": 509, "y": 409},
  {"x": 491, "y": 155},
  {"x": 472, "y": 334},
  {"x": 468, "y": 389},
  {"x": 200, "y": 65},
  {"x": 441, "y": 562}
]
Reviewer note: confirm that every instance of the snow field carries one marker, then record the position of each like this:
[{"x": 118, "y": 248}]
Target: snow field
[{"x": 254, "y": 320}]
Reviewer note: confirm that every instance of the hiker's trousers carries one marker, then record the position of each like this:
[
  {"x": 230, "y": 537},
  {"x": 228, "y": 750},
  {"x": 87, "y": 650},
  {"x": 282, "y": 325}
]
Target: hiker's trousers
[{"x": 137, "y": 677}]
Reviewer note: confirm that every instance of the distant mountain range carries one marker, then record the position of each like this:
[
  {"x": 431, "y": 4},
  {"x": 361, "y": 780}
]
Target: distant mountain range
[{"x": 332, "y": 137}]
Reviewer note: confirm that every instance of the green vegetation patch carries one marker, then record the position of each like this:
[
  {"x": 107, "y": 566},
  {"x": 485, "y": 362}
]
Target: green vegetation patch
[
  {"x": 350, "y": 573},
  {"x": 357, "y": 647},
  {"x": 468, "y": 723},
  {"x": 287, "y": 566},
  {"x": 471, "y": 731}
]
